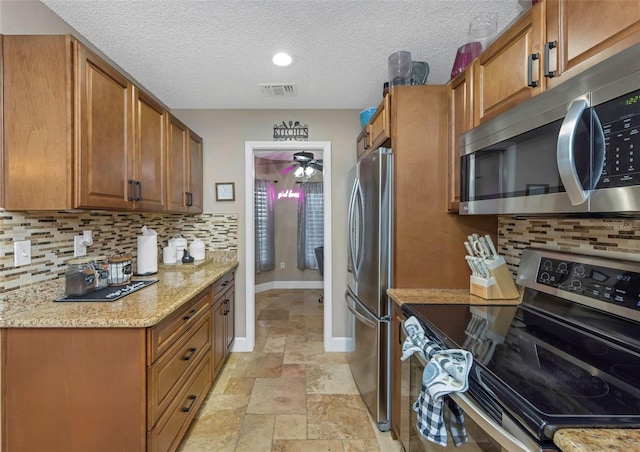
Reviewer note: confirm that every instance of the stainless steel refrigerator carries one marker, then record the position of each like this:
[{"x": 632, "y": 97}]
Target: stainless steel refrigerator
[{"x": 369, "y": 276}]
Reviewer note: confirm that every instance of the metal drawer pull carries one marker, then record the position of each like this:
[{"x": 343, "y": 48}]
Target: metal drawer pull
[
  {"x": 191, "y": 314},
  {"x": 132, "y": 197},
  {"x": 547, "y": 59},
  {"x": 192, "y": 398},
  {"x": 532, "y": 83},
  {"x": 190, "y": 353}
]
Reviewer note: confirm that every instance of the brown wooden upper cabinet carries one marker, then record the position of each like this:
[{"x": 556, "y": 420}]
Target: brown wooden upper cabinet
[
  {"x": 104, "y": 155},
  {"x": 150, "y": 159},
  {"x": 509, "y": 72},
  {"x": 552, "y": 41},
  {"x": 195, "y": 184},
  {"x": 377, "y": 132},
  {"x": 581, "y": 33},
  {"x": 460, "y": 99},
  {"x": 78, "y": 134},
  {"x": 185, "y": 168}
]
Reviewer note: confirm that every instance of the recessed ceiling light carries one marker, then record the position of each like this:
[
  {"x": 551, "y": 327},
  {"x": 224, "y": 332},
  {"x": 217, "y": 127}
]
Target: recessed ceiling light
[{"x": 282, "y": 59}]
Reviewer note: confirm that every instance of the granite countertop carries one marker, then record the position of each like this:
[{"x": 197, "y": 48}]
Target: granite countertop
[
  {"x": 33, "y": 306},
  {"x": 593, "y": 440},
  {"x": 444, "y": 296}
]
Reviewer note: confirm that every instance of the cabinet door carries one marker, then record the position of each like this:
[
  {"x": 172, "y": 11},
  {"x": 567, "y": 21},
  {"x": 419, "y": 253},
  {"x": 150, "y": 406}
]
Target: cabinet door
[
  {"x": 104, "y": 154},
  {"x": 194, "y": 198},
  {"x": 380, "y": 124},
  {"x": 230, "y": 318},
  {"x": 219, "y": 334},
  {"x": 459, "y": 94},
  {"x": 150, "y": 153},
  {"x": 509, "y": 71},
  {"x": 177, "y": 170},
  {"x": 396, "y": 353},
  {"x": 588, "y": 31}
]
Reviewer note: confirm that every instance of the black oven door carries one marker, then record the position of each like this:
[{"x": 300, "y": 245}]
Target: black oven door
[{"x": 484, "y": 434}]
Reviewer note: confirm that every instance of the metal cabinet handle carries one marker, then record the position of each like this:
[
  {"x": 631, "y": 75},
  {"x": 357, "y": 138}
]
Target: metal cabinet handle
[
  {"x": 367, "y": 145},
  {"x": 132, "y": 196},
  {"x": 547, "y": 50},
  {"x": 190, "y": 314},
  {"x": 192, "y": 399},
  {"x": 139, "y": 197},
  {"x": 189, "y": 353},
  {"x": 189, "y": 199},
  {"x": 530, "y": 82}
]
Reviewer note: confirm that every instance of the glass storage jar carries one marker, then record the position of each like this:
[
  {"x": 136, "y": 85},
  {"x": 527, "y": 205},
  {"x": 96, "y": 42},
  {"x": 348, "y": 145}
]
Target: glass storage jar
[
  {"x": 101, "y": 264},
  {"x": 120, "y": 269},
  {"x": 80, "y": 276}
]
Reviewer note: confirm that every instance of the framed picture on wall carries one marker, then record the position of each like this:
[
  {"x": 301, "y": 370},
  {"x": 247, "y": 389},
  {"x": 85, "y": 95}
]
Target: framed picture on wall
[{"x": 225, "y": 191}]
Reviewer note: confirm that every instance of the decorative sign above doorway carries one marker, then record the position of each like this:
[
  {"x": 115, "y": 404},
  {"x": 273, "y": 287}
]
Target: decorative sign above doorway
[{"x": 291, "y": 131}]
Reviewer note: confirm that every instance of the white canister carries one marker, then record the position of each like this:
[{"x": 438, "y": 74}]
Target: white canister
[
  {"x": 180, "y": 244},
  {"x": 196, "y": 249},
  {"x": 169, "y": 255}
]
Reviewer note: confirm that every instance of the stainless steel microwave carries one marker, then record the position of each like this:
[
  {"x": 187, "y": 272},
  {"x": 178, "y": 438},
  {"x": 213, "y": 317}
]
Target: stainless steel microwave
[{"x": 569, "y": 150}]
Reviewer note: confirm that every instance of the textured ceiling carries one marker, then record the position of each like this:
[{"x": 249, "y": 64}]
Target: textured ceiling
[{"x": 214, "y": 53}]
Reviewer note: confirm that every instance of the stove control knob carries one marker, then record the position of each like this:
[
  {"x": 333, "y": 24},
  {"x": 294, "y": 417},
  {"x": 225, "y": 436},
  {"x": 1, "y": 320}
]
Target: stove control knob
[
  {"x": 579, "y": 271},
  {"x": 544, "y": 277},
  {"x": 576, "y": 284}
]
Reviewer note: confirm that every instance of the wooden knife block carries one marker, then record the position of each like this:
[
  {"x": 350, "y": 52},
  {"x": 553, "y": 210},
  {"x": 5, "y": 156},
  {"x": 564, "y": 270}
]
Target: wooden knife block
[{"x": 499, "y": 286}]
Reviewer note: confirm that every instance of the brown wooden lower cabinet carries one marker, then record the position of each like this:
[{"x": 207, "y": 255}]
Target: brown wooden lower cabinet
[
  {"x": 397, "y": 318},
  {"x": 112, "y": 389}
]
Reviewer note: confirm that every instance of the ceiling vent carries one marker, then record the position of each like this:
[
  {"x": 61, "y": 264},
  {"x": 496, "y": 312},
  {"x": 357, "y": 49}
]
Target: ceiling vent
[{"x": 278, "y": 89}]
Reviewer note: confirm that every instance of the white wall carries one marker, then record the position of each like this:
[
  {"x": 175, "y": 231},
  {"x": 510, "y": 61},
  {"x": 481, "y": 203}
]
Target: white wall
[{"x": 224, "y": 133}]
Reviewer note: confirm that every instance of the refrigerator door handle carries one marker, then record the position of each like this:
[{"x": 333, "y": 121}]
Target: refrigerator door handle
[
  {"x": 351, "y": 264},
  {"x": 366, "y": 318},
  {"x": 360, "y": 250}
]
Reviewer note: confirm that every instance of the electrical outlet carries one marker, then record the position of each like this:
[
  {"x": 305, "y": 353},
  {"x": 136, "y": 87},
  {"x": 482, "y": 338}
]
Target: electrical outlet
[
  {"x": 79, "y": 247},
  {"x": 22, "y": 253},
  {"x": 281, "y": 265}
]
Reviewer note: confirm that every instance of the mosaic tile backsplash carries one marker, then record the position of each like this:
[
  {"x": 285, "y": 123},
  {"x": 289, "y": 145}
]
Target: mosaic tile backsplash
[
  {"x": 51, "y": 236},
  {"x": 605, "y": 237}
]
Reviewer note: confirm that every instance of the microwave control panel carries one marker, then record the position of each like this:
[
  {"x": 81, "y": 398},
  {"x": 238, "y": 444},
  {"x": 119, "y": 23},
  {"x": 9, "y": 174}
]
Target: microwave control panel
[
  {"x": 610, "y": 285},
  {"x": 620, "y": 120}
]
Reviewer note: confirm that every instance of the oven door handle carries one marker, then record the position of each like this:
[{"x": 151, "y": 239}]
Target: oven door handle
[{"x": 487, "y": 424}]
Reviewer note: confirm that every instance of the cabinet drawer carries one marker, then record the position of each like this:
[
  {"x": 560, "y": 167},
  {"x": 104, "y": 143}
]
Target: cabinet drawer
[
  {"x": 169, "y": 372},
  {"x": 170, "y": 429},
  {"x": 166, "y": 332},
  {"x": 221, "y": 285}
]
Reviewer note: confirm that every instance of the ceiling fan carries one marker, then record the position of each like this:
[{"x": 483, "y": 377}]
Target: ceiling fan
[{"x": 304, "y": 164}]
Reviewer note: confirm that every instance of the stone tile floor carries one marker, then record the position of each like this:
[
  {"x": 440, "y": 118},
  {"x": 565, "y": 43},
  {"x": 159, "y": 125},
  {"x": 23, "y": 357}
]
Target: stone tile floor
[{"x": 288, "y": 394}]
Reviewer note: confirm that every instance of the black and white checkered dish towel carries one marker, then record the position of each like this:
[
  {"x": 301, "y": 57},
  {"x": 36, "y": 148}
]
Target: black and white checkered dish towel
[{"x": 447, "y": 371}]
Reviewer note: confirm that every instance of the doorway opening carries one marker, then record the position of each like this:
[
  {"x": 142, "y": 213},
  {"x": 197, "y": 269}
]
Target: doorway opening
[{"x": 320, "y": 150}]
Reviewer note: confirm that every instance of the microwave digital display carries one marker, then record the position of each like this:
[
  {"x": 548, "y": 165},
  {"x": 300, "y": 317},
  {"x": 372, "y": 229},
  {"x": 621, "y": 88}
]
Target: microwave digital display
[{"x": 620, "y": 119}]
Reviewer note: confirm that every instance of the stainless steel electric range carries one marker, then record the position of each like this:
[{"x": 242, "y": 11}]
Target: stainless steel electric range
[{"x": 568, "y": 356}]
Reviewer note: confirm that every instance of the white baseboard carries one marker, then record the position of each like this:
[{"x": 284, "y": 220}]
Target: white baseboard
[
  {"x": 338, "y": 344},
  {"x": 288, "y": 285},
  {"x": 241, "y": 344},
  {"x": 335, "y": 344}
]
